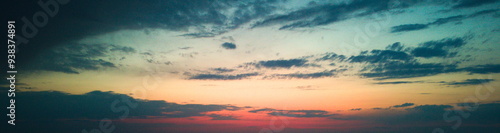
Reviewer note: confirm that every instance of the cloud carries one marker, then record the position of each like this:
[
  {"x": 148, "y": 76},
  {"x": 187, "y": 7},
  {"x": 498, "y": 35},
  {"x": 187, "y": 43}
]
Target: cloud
[
  {"x": 473, "y": 3},
  {"x": 293, "y": 113},
  {"x": 400, "y": 62},
  {"x": 408, "y": 27},
  {"x": 471, "y": 82},
  {"x": 394, "y": 62},
  {"x": 222, "y": 70},
  {"x": 398, "y": 82},
  {"x": 318, "y": 15},
  {"x": 185, "y": 48},
  {"x": 124, "y": 49},
  {"x": 483, "y": 12},
  {"x": 403, "y": 105},
  {"x": 429, "y": 52},
  {"x": 96, "y": 105},
  {"x": 308, "y": 87},
  {"x": 228, "y": 45},
  {"x": 261, "y": 110},
  {"x": 332, "y": 57},
  {"x": 77, "y": 20},
  {"x": 77, "y": 57},
  {"x": 439, "y": 21},
  {"x": 393, "y": 70},
  {"x": 483, "y": 69},
  {"x": 437, "y": 48},
  {"x": 472, "y": 114},
  {"x": 380, "y": 56},
  {"x": 417, "y": 114},
  {"x": 356, "y": 109},
  {"x": 222, "y": 77},
  {"x": 309, "y": 75},
  {"x": 282, "y": 63},
  {"x": 222, "y": 117}
]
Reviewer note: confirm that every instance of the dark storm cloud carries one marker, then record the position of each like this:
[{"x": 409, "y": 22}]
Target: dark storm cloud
[
  {"x": 473, "y": 3},
  {"x": 222, "y": 76},
  {"x": 471, "y": 82},
  {"x": 96, "y": 105},
  {"x": 309, "y": 75},
  {"x": 439, "y": 21},
  {"x": 77, "y": 57},
  {"x": 222, "y": 117},
  {"x": 228, "y": 45},
  {"x": 318, "y": 15},
  {"x": 403, "y": 105},
  {"x": 293, "y": 113}
]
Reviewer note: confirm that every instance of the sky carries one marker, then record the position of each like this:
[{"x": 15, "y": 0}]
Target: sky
[{"x": 262, "y": 66}]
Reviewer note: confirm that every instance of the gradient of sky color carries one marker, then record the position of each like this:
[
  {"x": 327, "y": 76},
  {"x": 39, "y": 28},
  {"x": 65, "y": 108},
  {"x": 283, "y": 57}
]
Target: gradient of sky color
[{"x": 237, "y": 66}]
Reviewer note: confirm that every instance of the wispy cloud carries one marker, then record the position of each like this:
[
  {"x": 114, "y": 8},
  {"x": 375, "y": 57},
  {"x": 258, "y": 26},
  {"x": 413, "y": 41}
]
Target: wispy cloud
[
  {"x": 222, "y": 76},
  {"x": 470, "y": 82},
  {"x": 440, "y": 21}
]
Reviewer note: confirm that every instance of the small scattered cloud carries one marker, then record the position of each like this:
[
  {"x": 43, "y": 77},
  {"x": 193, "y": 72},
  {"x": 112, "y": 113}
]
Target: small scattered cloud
[
  {"x": 222, "y": 70},
  {"x": 185, "y": 48},
  {"x": 228, "y": 45},
  {"x": 307, "y": 87},
  {"x": 403, "y": 105},
  {"x": 356, "y": 109}
]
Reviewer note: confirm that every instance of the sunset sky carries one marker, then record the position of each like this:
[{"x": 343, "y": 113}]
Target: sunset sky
[{"x": 260, "y": 66}]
